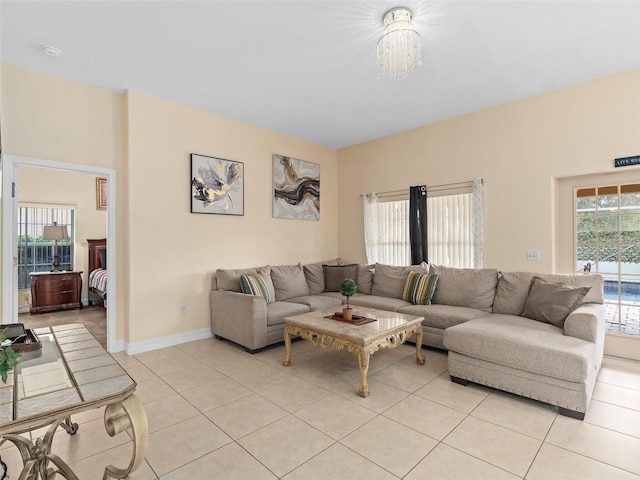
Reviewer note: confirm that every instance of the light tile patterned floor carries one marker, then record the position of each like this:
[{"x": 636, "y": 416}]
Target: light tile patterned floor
[{"x": 232, "y": 415}]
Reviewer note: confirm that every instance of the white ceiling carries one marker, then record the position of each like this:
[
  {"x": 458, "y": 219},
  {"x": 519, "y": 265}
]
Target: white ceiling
[{"x": 308, "y": 68}]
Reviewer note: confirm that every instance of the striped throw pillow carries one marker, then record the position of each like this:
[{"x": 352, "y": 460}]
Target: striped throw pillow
[
  {"x": 419, "y": 288},
  {"x": 255, "y": 285}
]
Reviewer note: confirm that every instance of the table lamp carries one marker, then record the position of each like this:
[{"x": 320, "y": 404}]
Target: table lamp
[{"x": 55, "y": 232}]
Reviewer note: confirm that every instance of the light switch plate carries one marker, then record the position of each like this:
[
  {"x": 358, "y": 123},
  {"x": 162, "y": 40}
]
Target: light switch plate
[{"x": 533, "y": 255}]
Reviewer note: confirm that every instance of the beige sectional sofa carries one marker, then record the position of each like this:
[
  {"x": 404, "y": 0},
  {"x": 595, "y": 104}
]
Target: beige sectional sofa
[{"x": 477, "y": 315}]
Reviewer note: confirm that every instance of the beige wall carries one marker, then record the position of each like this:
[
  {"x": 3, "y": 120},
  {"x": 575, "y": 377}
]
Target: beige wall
[
  {"x": 78, "y": 190},
  {"x": 172, "y": 252},
  {"x": 54, "y": 119},
  {"x": 518, "y": 149},
  {"x": 166, "y": 254}
]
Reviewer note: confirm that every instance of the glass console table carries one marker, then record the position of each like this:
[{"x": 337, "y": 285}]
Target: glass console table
[{"x": 70, "y": 374}]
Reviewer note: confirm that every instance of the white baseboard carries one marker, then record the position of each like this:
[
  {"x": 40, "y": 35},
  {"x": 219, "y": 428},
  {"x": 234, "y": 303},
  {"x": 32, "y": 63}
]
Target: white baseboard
[{"x": 163, "y": 342}]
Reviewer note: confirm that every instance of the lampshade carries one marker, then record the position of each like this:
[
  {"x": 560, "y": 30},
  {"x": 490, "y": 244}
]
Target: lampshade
[
  {"x": 400, "y": 47},
  {"x": 55, "y": 232}
]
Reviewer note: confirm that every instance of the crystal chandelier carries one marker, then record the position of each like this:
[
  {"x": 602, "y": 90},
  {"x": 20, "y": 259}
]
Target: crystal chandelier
[{"x": 399, "y": 48}]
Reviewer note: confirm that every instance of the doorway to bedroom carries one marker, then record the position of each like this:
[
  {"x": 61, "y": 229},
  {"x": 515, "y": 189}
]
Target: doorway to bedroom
[{"x": 89, "y": 222}]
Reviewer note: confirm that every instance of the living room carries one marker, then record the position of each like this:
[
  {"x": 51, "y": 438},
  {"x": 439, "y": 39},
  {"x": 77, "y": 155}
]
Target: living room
[{"x": 166, "y": 257}]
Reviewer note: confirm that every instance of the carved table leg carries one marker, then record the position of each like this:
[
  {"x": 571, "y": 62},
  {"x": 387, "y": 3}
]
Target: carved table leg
[
  {"x": 286, "y": 360},
  {"x": 419, "y": 356},
  {"x": 363, "y": 363},
  {"x": 37, "y": 456},
  {"x": 119, "y": 417}
]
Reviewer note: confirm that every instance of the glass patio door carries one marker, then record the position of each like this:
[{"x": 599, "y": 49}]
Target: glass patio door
[{"x": 608, "y": 242}]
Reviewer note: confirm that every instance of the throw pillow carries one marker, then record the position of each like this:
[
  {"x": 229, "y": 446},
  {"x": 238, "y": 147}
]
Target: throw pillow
[
  {"x": 255, "y": 285},
  {"x": 419, "y": 288},
  {"x": 389, "y": 280},
  {"x": 289, "y": 282},
  {"x": 552, "y": 302},
  {"x": 333, "y": 275},
  {"x": 365, "y": 279},
  {"x": 315, "y": 276}
]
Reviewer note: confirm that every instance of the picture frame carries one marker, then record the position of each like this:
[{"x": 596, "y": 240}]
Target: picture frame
[
  {"x": 101, "y": 193},
  {"x": 217, "y": 185},
  {"x": 296, "y": 188}
]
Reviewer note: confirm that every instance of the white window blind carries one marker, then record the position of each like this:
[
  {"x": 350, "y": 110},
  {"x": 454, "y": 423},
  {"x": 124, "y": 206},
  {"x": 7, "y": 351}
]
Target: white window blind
[{"x": 454, "y": 228}]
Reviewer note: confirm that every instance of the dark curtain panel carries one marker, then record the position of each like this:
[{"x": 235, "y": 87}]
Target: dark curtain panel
[{"x": 418, "y": 224}]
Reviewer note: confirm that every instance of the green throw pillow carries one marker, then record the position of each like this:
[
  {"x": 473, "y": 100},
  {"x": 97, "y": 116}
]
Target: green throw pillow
[
  {"x": 255, "y": 285},
  {"x": 419, "y": 288}
]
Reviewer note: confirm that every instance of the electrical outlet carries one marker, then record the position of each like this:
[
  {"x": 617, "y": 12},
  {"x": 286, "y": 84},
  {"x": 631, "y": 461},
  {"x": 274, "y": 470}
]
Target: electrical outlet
[
  {"x": 183, "y": 308},
  {"x": 533, "y": 255}
]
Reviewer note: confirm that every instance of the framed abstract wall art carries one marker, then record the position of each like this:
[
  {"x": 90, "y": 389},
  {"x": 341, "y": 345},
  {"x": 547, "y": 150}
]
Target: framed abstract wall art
[
  {"x": 296, "y": 188},
  {"x": 217, "y": 185}
]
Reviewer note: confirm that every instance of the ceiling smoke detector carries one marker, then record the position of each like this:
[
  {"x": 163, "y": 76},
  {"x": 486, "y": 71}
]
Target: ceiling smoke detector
[{"x": 51, "y": 51}]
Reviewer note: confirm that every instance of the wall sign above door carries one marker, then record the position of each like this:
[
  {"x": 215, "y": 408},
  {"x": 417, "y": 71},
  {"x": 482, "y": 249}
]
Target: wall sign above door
[{"x": 626, "y": 161}]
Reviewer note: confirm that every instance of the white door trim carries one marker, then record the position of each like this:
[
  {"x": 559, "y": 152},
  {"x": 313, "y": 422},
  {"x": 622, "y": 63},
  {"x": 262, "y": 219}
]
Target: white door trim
[{"x": 10, "y": 164}]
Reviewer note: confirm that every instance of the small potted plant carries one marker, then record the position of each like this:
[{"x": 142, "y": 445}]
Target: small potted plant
[{"x": 348, "y": 288}]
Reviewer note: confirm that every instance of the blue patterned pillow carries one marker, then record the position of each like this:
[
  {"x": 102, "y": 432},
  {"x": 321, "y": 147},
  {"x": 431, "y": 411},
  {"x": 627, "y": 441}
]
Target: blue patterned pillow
[
  {"x": 255, "y": 285},
  {"x": 419, "y": 288}
]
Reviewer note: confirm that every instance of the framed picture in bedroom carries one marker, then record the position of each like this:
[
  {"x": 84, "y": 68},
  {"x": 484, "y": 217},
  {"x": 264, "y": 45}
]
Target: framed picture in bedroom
[
  {"x": 101, "y": 193},
  {"x": 296, "y": 188},
  {"x": 217, "y": 185}
]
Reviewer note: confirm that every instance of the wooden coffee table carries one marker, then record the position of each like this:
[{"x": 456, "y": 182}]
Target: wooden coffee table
[{"x": 388, "y": 331}]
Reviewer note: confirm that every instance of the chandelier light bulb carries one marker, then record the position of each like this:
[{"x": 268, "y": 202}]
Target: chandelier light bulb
[{"x": 400, "y": 47}]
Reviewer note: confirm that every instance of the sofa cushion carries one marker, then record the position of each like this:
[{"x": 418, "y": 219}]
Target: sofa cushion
[
  {"x": 315, "y": 275},
  {"x": 333, "y": 275},
  {"x": 229, "y": 279},
  {"x": 513, "y": 289},
  {"x": 365, "y": 279},
  {"x": 289, "y": 282},
  {"x": 524, "y": 344},
  {"x": 277, "y": 311},
  {"x": 318, "y": 302},
  {"x": 380, "y": 303},
  {"x": 443, "y": 316},
  {"x": 419, "y": 288},
  {"x": 552, "y": 302},
  {"x": 389, "y": 280},
  {"x": 255, "y": 285},
  {"x": 465, "y": 287}
]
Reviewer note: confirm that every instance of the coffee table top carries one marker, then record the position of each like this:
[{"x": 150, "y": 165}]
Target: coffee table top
[
  {"x": 386, "y": 323},
  {"x": 71, "y": 373}
]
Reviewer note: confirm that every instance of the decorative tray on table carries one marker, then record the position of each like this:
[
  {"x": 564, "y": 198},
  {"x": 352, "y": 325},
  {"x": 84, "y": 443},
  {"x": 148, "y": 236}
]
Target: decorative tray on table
[{"x": 355, "y": 319}]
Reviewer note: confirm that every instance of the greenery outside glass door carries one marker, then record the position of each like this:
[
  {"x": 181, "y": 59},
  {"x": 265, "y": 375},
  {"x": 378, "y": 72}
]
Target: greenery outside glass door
[{"x": 608, "y": 242}]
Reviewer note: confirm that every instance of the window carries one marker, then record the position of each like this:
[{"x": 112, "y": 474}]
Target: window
[
  {"x": 34, "y": 253},
  {"x": 454, "y": 230}
]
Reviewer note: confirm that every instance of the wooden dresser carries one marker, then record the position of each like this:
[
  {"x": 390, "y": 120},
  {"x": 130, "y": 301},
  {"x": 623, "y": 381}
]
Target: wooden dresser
[{"x": 51, "y": 291}]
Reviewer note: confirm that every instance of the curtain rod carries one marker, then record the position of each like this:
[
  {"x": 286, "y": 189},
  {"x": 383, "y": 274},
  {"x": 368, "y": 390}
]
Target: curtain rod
[{"x": 452, "y": 186}]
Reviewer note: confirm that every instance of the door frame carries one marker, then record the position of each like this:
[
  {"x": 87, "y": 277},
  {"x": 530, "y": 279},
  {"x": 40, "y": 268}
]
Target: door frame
[
  {"x": 616, "y": 345},
  {"x": 10, "y": 168}
]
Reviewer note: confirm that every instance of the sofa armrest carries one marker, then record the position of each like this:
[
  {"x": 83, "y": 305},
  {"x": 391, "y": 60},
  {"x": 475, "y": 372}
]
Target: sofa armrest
[
  {"x": 586, "y": 322},
  {"x": 239, "y": 317}
]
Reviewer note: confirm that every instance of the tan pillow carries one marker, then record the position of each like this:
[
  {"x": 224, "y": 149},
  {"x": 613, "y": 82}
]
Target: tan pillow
[
  {"x": 315, "y": 275},
  {"x": 465, "y": 287},
  {"x": 365, "y": 279},
  {"x": 389, "y": 280},
  {"x": 552, "y": 302},
  {"x": 289, "y": 282},
  {"x": 229, "y": 279},
  {"x": 333, "y": 275}
]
